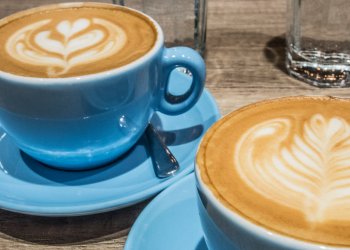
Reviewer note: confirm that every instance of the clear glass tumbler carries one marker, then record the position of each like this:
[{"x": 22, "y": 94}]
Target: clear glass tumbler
[
  {"x": 318, "y": 42},
  {"x": 184, "y": 22}
]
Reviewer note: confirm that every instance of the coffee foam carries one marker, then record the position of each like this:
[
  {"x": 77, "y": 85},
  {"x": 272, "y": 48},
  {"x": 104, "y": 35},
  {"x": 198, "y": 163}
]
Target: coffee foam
[
  {"x": 62, "y": 42},
  {"x": 284, "y": 165}
]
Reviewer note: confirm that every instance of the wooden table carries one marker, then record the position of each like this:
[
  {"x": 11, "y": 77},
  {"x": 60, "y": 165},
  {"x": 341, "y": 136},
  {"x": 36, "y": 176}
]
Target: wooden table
[{"x": 245, "y": 63}]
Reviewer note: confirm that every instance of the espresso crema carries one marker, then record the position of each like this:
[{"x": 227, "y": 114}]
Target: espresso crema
[
  {"x": 284, "y": 165},
  {"x": 75, "y": 39}
]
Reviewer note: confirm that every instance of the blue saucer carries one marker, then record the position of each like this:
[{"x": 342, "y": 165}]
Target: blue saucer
[
  {"x": 26, "y": 186},
  {"x": 170, "y": 221}
]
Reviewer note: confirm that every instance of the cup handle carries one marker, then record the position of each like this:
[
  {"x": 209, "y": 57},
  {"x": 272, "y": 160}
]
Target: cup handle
[{"x": 191, "y": 60}]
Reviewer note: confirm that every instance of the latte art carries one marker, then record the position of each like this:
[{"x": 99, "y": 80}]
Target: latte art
[
  {"x": 311, "y": 174},
  {"x": 284, "y": 165},
  {"x": 82, "y": 41},
  {"x": 73, "y": 39}
]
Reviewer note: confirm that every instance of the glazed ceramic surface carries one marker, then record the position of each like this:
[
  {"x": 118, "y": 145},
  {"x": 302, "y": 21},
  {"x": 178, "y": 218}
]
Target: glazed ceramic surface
[
  {"x": 27, "y": 186},
  {"x": 225, "y": 230},
  {"x": 170, "y": 221}
]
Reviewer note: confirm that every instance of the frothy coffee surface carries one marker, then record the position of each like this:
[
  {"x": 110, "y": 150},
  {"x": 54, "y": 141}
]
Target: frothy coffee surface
[
  {"x": 284, "y": 165},
  {"x": 73, "y": 40}
]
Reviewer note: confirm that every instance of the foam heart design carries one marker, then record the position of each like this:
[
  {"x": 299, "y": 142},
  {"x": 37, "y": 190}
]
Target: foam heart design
[
  {"x": 83, "y": 41},
  {"x": 68, "y": 29}
]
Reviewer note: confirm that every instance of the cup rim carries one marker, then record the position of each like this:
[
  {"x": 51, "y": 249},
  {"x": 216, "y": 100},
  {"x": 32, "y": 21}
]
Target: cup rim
[
  {"x": 25, "y": 80},
  {"x": 235, "y": 218},
  {"x": 258, "y": 231}
]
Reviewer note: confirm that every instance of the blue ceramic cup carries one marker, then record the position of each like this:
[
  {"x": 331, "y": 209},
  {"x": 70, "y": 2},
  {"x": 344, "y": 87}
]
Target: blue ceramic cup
[
  {"x": 77, "y": 123},
  {"x": 226, "y": 230}
]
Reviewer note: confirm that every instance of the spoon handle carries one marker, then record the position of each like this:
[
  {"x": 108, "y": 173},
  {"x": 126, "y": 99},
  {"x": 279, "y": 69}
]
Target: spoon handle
[{"x": 164, "y": 162}]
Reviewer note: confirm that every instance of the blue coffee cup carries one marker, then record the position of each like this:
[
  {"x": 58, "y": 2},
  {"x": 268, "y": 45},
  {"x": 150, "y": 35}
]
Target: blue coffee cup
[
  {"x": 224, "y": 221},
  {"x": 225, "y": 229},
  {"x": 77, "y": 123}
]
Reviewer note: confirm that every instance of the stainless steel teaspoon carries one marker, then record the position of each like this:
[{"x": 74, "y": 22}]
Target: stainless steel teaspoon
[{"x": 164, "y": 162}]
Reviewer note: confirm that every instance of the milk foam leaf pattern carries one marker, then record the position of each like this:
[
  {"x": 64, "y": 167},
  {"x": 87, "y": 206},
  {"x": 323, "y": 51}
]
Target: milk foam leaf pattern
[
  {"x": 308, "y": 171},
  {"x": 81, "y": 42}
]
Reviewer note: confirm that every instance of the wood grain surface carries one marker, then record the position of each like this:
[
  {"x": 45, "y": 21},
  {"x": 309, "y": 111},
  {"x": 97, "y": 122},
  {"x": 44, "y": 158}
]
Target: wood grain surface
[{"x": 245, "y": 63}]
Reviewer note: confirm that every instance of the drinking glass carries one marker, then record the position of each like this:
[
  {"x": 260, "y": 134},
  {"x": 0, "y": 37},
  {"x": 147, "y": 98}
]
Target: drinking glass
[
  {"x": 318, "y": 41},
  {"x": 183, "y": 21}
]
